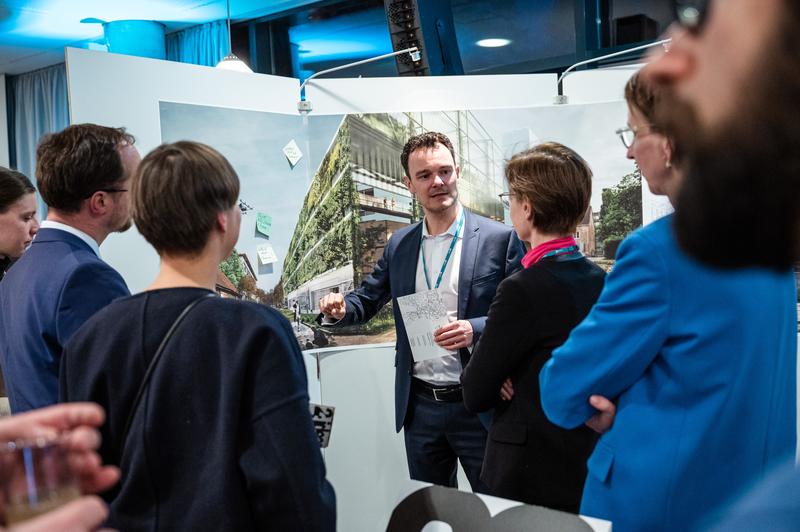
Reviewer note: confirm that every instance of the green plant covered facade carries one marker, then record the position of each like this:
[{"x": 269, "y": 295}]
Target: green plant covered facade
[{"x": 327, "y": 224}]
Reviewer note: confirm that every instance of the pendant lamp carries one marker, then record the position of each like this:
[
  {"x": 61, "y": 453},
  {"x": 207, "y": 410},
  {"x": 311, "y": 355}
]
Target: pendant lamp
[{"x": 230, "y": 61}]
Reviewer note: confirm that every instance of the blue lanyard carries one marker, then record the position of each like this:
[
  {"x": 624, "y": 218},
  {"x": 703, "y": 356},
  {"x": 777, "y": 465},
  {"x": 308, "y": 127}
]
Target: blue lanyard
[
  {"x": 563, "y": 251},
  {"x": 446, "y": 258}
]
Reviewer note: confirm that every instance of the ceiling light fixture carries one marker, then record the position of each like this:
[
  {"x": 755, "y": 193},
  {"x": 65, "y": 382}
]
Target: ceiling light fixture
[
  {"x": 305, "y": 107},
  {"x": 230, "y": 61},
  {"x": 561, "y": 98},
  {"x": 493, "y": 43}
]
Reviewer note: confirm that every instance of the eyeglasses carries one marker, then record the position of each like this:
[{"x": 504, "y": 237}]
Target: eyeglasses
[
  {"x": 109, "y": 190},
  {"x": 629, "y": 134},
  {"x": 504, "y": 198},
  {"x": 692, "y": 14}
]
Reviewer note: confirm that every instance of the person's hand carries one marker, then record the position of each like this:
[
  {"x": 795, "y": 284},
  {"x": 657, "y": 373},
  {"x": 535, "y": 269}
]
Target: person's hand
[
  {"x": 76, "y": 424},
  {"x": 507, "y": 390},
  {"x": 606, "y": 412},
  {"x": 81, "y": 515},
  {"x": 454, "y": 335},
  {"x": 332, "y": 306}
]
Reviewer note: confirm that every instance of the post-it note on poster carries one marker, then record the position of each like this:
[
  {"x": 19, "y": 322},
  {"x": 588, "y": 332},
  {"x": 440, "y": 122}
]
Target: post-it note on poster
[
  {"x": 292, "y": 153},
  {"x": 264, "y": 224},
  {"x": 322, "y": 418},
  {"x": 266, "y": 255}
]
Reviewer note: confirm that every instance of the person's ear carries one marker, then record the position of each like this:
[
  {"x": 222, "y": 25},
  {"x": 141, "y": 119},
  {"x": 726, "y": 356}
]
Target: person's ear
[
  {"x": 527, "y": 208},
  {"x": 97, "y": 203},
  {"x": 666, "y": 152},
  {"x": 222, "y": 222},
  {"x": 409, "y": 186}
]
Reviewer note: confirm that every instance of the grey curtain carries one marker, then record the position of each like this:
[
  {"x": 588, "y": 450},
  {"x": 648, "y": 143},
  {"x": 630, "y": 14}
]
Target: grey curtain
[
  {"x": 39, "y": 105},
  {"x": 205, "y": 44}
]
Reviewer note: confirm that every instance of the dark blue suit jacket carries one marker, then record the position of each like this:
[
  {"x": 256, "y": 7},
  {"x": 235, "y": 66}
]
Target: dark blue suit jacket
[
  {"x": 48, "y": 293},
  {"x": 500, "y": 252}
]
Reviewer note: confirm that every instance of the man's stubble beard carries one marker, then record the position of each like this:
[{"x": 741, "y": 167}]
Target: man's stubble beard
[
  {"x": 123, "y": 226},
  {"x": 451, "y": 193},
  {"x": 127, "y": 225}
]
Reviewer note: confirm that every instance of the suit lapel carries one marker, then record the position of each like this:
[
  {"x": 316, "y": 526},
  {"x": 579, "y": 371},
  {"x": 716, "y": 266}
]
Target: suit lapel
[
  {"x": 469, "y": 254},
  {"x": 405, "y": 262}
]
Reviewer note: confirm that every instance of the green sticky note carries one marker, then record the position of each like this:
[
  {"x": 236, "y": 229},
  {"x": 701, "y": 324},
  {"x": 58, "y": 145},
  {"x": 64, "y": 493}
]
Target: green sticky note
[{"x": 264, "y": 224}]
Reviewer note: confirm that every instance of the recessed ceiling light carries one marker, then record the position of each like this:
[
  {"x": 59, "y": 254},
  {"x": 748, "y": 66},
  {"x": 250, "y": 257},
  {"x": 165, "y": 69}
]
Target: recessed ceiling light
[{"x": 493, "y": 43}]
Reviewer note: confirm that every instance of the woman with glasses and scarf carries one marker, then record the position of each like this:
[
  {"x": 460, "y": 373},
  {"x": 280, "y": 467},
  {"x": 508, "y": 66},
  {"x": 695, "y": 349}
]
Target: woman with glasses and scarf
[{"x": 687, "y": 370}]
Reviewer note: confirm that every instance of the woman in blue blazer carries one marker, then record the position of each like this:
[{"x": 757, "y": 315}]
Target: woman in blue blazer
[{"x": 700, "y": 363}]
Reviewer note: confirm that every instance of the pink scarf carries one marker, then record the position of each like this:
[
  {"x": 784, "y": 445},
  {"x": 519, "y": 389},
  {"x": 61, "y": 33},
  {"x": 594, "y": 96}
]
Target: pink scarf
[{"x": 535, "y": 254}]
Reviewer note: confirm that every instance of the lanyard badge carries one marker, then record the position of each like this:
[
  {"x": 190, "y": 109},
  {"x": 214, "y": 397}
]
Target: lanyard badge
[{"x": 446, "y": 258}]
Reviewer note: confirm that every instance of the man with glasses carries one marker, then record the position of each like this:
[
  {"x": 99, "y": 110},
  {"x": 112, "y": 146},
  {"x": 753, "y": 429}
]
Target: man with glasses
[
  {"x": 732, "y": 75},
  {"x": 83, "y": 174}
]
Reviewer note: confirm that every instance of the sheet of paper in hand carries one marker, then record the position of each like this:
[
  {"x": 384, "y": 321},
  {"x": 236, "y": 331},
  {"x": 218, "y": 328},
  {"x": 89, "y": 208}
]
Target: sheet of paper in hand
[
  {"x": 423, "y": 313},
  {"x": 322, "y": 417}
]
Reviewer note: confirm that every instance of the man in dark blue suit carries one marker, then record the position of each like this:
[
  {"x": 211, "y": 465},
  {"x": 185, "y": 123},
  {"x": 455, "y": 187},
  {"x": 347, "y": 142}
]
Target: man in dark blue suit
[
  {"x": 464, "y": 256},
  {"x": 83, "y": 174}
]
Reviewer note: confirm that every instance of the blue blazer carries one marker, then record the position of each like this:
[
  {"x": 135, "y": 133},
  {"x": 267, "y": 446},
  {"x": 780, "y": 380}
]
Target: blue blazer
[
  {"x": 394, "y": 276},
  {"x": 44, "y": 298},
  {"x": 702, "y": 365}
]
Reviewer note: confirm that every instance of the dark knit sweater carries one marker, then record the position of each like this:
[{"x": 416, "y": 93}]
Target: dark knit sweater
[{"x": 223, "y": 439}]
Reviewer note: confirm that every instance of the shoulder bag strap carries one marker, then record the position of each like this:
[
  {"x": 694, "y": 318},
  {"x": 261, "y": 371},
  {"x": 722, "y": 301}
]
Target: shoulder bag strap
[{"x": 152, "y": 366}]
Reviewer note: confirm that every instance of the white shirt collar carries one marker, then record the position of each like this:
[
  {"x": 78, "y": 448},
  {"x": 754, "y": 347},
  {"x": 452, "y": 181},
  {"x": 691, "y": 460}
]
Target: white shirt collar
[
  {"x": 450, "y": 230},
  {"x": 91, "y": 242}
]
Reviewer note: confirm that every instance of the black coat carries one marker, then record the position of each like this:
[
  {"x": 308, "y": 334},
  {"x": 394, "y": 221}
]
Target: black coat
[
  {"x": 528, "y": 458},
  {"x": 223, "y": 438}
]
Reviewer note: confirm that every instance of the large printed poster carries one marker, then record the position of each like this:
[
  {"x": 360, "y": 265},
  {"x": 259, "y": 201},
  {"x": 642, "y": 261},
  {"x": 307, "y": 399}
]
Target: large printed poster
[{"x": 323, "y": 194}]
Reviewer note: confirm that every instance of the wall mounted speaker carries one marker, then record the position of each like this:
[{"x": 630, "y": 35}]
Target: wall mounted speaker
[{"x": 428, "y": 25}]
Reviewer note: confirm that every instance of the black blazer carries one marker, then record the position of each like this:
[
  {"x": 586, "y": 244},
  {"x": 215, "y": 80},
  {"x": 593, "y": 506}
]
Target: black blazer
[{"x": 528, "y": 458}]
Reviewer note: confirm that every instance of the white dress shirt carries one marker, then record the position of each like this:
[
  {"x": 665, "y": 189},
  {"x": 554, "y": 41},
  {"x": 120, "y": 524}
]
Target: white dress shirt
[
  {"x": 50, "y": 224},
  {"x": 444, "y": 370}
]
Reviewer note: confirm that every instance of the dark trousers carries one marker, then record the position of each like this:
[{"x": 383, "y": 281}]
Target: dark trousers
[{"x": 437, "y": 434}]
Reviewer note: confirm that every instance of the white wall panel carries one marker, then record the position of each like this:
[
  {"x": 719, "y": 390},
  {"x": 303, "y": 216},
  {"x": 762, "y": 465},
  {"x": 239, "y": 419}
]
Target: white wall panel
[
  {"x": 119, "y": 90},
  {"x": 437, "y": 93}
]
